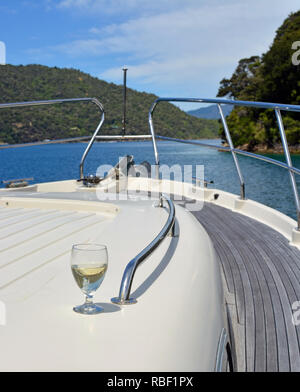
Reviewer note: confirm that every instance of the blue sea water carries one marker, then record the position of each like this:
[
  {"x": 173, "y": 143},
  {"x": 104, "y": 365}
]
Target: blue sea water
[{"x": 265, "y": 183}]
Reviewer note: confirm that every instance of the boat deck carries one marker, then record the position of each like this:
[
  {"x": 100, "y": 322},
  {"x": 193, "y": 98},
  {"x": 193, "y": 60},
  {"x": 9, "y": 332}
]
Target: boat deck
[
  {"x": 261, "y": 272},
  {"x": 38, "y": 292},
  {"x": 262, "y": 280},
  {"x": 32, "y": 238}
]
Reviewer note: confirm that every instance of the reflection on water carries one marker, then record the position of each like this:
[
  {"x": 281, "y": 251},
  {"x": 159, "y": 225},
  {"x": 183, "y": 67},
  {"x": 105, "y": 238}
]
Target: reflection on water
[{"x": 265, "y": 183}]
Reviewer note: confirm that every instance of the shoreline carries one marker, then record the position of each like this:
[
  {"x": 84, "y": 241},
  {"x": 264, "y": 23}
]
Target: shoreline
[
  {"x": 259, "y": 149},
  {"x": 263, "y": 149}
]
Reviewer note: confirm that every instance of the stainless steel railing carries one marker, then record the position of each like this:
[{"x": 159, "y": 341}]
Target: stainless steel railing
[
  {"x": 218, "y": 101},
  {"x": 128, "y": 275},
  {"x": 59, "y": 101}
]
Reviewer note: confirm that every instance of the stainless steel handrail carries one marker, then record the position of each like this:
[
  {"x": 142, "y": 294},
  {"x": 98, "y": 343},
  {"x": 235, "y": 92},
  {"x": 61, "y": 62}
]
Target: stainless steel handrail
[
  {"x": 59, "y": 101},
  {"x": 41, "y": 143},
  {"x": 237, "y": 151},
  {"x": 124, "y": 138},
  {"x": 77, "y": 139},
  {"x": 263, "y": 105},
  {"x": 128, "y": 275}
]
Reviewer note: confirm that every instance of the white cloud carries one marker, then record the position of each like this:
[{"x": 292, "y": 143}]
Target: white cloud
[
  {"x": 127, "y": 6},
  {"x": 167, "y": 71},
  {"x": 169, "y": 43},
  {"x": 177, "y": 33}
]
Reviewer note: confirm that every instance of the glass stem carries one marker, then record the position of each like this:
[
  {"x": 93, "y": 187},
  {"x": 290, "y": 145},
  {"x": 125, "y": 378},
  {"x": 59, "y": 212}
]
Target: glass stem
[{"x": 88, "y": 299}]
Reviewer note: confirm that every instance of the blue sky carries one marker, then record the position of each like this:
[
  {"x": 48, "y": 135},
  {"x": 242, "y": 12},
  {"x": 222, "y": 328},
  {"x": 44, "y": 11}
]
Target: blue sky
[{"x": 171, "y": 47}]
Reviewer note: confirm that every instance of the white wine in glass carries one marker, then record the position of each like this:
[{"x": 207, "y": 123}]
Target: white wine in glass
[{"x": 89, "y": 264}]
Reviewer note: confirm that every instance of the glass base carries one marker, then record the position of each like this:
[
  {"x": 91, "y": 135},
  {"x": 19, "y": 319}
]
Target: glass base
[{"x": 88, "y": 308}]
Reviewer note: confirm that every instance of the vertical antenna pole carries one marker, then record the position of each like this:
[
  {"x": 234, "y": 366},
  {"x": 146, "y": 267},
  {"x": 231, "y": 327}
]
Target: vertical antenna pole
[{"x": 124, "y": 100}]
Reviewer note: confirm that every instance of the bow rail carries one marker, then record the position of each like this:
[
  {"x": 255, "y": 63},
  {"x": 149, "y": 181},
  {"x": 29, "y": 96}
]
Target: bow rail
[
  {"x": 234, "y": 151},
  {"x": 61, "y": 101}
]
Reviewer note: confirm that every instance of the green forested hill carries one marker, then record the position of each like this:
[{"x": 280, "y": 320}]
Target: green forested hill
[
  {"x": 271, "y": 77},
  {"x": 36, "y": 82}
]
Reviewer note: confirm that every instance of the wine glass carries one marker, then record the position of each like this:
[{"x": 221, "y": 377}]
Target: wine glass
[{"x": 89, "y": 265}]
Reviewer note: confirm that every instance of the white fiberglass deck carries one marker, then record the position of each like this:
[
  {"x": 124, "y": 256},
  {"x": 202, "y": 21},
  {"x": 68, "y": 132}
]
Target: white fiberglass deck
[{"x": 36, "y": 285}]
